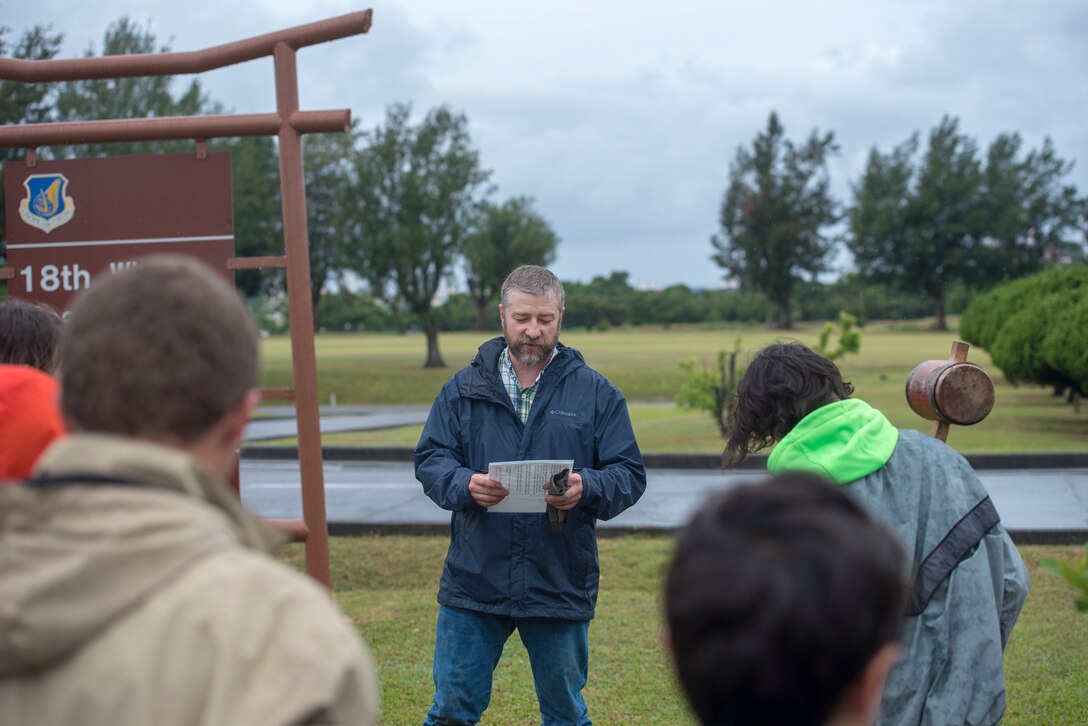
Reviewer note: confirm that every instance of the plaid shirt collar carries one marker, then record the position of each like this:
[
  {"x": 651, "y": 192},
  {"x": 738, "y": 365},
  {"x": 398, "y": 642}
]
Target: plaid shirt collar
[{"x": 521, "y": 398}]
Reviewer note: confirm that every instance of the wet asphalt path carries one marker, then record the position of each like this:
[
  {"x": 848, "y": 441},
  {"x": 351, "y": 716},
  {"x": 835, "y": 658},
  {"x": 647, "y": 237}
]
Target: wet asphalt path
[{"x": 1038, "y": 505}]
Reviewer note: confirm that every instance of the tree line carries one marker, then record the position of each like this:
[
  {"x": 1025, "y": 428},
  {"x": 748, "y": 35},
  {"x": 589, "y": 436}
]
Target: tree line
[
  {"x": 922, "y": 221},
  {"x": 398, "y": 210},
  {"x": 610, "y": 301}
]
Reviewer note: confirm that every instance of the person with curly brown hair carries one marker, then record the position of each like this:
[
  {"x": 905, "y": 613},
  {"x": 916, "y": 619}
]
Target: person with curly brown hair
[{"x": 969, "y": 582}]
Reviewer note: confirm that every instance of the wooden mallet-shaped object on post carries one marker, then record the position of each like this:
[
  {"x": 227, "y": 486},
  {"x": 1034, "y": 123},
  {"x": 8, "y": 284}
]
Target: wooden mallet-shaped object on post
[{"x": 950, "y": 391}]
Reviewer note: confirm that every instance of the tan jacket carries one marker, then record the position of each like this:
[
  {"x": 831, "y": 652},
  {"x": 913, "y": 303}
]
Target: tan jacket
[{"x": 153, "y": 602}]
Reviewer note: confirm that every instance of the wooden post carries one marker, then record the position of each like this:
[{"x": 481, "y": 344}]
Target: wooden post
[{"x": 958, "y": 354}]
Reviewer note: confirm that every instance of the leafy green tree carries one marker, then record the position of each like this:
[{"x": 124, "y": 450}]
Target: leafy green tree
[
  {"x": 503, "y": 237},
  {"x": 603, "y": 303},
  {"x": 949, "y": 219},
  {"x": 271, "y": 312},
  {"x": 1033, "y": 328},
  {"x": 138, "y": 97},
  {"x": 330, "y": 176},
  {"x": 676, "y": 304},
  {"x": 1017, "y": 349},
  {"x": 749, "y": 306},
  {"x": 416, "y": 188},
  {"x": 1032, "y": 216},
  {"x": 921, "y": 225},
  {"x": 776, "y": 208},
  {"x": 458, "y": 312},
  {"x": 868, "y": 299},
  {"x": 348, "y": 312},
  {"x": 1066, "y": 343},
  {"x": 24, "y": 102},
  {"x": 987, "y": 313},
  {"x": 27, "y": 102},
  {"x": 258, "y": 220}
]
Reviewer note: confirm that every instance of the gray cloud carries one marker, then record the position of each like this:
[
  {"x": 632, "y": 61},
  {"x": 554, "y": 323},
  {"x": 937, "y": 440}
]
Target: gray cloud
[{"x": 621, "y": 118}]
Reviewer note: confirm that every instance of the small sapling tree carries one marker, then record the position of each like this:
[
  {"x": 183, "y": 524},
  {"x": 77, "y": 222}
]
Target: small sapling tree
[
  {"x": 849, "y": 337},
  {"x": 710, "y": 390}
]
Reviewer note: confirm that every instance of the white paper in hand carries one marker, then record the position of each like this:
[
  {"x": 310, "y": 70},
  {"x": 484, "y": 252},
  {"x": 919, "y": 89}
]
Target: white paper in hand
[{"x": 525, "y": 481}]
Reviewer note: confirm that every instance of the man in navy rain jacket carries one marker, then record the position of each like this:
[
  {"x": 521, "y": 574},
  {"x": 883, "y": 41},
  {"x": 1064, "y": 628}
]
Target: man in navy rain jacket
[{"x": 525, "y": 396}]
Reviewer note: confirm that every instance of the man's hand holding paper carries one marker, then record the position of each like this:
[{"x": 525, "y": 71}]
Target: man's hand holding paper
[{"x": 486, "y": 491}]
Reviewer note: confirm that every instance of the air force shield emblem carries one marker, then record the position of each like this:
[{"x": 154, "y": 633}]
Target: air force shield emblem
[{"x": 46, "y": 205}]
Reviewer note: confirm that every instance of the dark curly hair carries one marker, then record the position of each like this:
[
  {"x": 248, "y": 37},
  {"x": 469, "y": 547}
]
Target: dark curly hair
[{"x": 784, "y": 383}]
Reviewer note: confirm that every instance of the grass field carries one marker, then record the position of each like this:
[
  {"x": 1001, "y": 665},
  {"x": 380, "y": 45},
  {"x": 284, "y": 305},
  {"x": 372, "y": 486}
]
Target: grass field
[
  {"x": 387, "y": 586},
  {"x": 642, "y": 362}
]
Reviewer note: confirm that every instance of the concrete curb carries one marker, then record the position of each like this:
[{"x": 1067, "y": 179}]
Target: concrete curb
[
  {"x": 1012, "y": 460},
  {"x": 353, "y": 529}
]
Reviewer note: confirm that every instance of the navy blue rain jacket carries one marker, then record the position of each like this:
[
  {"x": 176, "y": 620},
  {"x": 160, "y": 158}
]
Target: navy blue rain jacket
[{"x": 513, "y": 564}]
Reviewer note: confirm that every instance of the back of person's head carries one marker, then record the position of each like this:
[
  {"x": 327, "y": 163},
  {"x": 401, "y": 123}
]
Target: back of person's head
[
  {"x": 782, "y": 384},
  {"x": 161, "y": 350},
  {"x": 30, "y": 419},
  {"x": 533, "y": 280},
  {"x": 29, "y": 334},
  {"x": 781, "y": 597}
]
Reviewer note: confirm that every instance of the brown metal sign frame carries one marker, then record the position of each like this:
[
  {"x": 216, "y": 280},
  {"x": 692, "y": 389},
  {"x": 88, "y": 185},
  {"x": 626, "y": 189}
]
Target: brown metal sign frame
[{"x": 288, "y": 123}]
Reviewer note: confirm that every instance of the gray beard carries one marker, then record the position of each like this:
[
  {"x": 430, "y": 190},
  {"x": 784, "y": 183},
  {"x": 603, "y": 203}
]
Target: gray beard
[{"x": 530, "y": 357}]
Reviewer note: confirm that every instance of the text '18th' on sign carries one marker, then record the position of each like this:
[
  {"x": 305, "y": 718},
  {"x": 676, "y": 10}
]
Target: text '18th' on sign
[{"x": 70, "y": 221}]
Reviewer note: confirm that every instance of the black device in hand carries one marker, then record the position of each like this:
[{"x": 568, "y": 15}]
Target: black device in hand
[{"x": 557, "y": 487}]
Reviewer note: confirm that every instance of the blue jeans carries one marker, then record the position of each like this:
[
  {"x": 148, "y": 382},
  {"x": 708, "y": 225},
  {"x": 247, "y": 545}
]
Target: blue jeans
[{"x": 467, "y": 648}]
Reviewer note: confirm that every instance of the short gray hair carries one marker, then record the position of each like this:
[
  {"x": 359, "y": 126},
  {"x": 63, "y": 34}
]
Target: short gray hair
[{"x": 533, "y": 280}]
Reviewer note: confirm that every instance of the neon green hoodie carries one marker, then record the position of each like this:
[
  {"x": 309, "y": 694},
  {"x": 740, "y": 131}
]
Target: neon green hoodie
[{"x": 842, "y": 441}]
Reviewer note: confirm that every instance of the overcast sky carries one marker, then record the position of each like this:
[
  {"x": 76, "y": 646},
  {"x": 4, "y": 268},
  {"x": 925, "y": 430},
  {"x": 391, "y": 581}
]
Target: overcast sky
[{"x": 620, "y": 118}]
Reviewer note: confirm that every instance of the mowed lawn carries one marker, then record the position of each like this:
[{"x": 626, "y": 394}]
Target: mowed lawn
[
  {"x": 643, "y": 363},
  {"x": 387, "y": 585}
]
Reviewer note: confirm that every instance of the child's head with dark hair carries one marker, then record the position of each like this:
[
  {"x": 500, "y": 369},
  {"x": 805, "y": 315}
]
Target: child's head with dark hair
[
  {"x": 29, "y": 334},
  {"x": 783, "y": 383},
  {"x": 783, "y": 603}
]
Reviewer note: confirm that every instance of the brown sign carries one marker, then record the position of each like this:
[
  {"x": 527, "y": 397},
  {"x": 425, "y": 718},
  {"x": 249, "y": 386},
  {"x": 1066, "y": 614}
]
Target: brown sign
[{"x": 70, "y": 221}]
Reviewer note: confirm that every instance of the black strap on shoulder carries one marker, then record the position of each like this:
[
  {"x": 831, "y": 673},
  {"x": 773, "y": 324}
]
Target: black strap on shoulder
[
  {"x": 944, "y": 558},
  {"x": 81, "y": 479}
]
